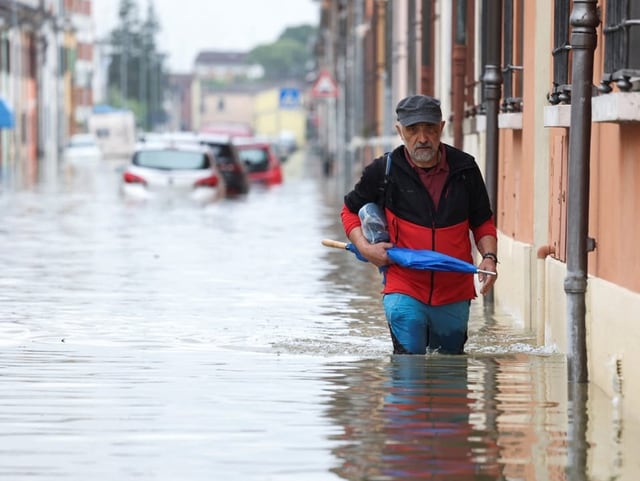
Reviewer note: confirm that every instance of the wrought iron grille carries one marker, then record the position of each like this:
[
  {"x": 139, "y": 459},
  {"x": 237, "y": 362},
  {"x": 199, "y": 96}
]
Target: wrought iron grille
[
  {"x": 621, "y": 46},
  {"x": 561, "y": 91},
  {"x": 512, "y": 74}
]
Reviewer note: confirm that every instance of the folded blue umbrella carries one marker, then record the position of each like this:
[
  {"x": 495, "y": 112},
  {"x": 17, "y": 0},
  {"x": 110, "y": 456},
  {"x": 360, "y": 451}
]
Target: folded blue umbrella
[{"x": 417, "y": 259}]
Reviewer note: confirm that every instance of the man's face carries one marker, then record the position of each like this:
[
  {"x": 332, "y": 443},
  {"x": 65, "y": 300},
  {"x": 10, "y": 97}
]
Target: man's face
[{"x": 422, "y": 141}]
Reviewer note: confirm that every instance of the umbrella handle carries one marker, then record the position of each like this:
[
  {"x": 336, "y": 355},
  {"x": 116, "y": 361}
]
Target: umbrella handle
[
  {"x": 333, "y": 243},
  {"x": 490, "y": 273}
]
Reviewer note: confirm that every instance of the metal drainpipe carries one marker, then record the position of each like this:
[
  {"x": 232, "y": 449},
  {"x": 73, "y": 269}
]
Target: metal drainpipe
[
  {"x": 584, "y": 20},
  {"x": 492, "y": 90},
  {"x": 459, "y": 65},
  {"x": 388, "y": 107},
  {"x": 358, "y": 117},
  {"x": 412, "y": 42}
]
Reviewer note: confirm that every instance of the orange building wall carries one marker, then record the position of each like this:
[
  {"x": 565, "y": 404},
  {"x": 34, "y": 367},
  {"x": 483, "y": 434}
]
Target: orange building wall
[
  {"x": 517, "y": 153},
  {"x": 615, "y": 177},
  {"x": 615, "y": 173},
  {"x": 515, "y": 207}
]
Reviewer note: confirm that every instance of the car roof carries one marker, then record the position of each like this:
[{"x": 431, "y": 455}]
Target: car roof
[
  {"x": 214, "y": 138},
  {"x": 256, "y": 144},
  {"x": 191, "y": 146},
  {"x": 171, "y": 135},
  {"x": 254, "y": 141}
]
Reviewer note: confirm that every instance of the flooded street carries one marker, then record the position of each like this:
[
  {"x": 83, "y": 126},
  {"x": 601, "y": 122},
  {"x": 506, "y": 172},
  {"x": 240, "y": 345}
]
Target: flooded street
[{"x": 172, "y": 342}]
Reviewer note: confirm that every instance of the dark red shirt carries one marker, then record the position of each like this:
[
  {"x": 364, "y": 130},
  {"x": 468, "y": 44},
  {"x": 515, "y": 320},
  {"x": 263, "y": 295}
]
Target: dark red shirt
[{"x": 433, "y": 178}]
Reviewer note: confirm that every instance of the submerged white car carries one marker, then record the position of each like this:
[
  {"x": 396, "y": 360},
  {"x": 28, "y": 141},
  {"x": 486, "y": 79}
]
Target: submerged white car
[
  {"x": 82, "y": 150},
  {"x": 161, "y": 169}
]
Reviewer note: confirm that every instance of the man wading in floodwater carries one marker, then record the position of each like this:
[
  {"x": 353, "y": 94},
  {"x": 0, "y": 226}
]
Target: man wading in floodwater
[{"x": 433, "y": 196}]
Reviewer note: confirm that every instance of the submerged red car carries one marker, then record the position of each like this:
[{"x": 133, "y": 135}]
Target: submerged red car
[{"x": 262, "y": 164}]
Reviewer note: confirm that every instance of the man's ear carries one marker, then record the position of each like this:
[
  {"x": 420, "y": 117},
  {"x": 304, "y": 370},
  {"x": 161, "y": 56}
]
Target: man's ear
[{"x": 399, "y": 130}]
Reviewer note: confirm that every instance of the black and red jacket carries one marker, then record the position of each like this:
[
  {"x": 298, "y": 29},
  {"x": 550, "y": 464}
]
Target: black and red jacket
[{"x": 414, "y": 223}]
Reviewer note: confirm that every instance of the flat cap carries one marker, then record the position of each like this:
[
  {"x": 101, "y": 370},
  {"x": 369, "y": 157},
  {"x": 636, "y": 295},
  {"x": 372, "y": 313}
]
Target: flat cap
[{"x": 419, "y": 108}]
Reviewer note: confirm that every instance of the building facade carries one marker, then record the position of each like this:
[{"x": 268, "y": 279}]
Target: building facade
[
  {"x": 45, "y": 81},
  {"x": 516, "y": 78}
]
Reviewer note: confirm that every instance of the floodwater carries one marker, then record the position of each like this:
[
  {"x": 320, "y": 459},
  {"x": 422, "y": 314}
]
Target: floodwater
[{"x": 172, "y": 342}]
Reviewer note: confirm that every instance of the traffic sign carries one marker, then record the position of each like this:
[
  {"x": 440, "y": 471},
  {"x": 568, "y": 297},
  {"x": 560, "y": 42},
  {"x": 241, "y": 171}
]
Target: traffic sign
[
  {"x": 290, "y": 98},
  {"x": 325, "y": 86}
]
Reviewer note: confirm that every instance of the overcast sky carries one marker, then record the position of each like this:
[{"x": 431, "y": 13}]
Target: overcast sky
[{"x": 189, "y": 26}]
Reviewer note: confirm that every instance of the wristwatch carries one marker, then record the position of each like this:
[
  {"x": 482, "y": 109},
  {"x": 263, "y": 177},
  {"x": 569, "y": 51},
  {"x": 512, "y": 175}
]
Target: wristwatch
[{"x": 490, "y": 255}]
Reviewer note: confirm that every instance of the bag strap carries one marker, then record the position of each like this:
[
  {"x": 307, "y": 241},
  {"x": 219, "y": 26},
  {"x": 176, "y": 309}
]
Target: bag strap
[
  {"x": 387, "y": 169},
  {"x": 383, "y": 189}
]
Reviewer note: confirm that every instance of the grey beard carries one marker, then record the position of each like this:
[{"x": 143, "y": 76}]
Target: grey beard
[{"x": 424, "y": 155}]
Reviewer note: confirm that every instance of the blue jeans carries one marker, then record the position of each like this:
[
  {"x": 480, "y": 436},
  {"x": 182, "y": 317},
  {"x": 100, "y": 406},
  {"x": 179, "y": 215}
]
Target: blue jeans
[{"x": 416, "y": 326}]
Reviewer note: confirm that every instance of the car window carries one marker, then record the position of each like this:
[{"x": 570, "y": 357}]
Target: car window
[
  {"x": 171, "y": 159},
  {"x": 223, "y": 153},
  {"x": 256, "y": 160}
]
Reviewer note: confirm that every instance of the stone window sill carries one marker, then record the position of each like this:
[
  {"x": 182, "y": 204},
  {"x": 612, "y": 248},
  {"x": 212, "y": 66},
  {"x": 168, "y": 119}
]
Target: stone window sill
[{"x": 615, "y": 107}]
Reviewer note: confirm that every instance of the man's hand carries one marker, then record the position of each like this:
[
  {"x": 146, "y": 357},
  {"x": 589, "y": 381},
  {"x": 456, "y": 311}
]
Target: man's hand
[
  {"x": 375, "y": 253},
  {"x": 486, "y": 280}
]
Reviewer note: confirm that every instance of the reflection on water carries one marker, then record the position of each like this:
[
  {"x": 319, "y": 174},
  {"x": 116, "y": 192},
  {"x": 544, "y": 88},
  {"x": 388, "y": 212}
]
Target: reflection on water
[
  {"x": 170, "y": 342},
  {"x": 461, "y": 418}
]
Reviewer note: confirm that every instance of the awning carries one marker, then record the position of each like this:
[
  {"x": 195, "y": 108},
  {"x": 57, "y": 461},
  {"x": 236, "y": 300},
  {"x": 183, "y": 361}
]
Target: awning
[{"x": 6, "y": 115}]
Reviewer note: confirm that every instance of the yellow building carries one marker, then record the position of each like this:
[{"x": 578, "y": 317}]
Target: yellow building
[{"x": 279, "y": 112}]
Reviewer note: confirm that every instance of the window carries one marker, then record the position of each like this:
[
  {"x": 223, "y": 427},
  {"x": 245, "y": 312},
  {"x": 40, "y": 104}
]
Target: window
[{"x": 171, "y": 160}]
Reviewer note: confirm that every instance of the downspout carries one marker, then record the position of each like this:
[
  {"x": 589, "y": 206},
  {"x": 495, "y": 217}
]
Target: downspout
[
  {"x": 381, "y": 68},
  {"x": 459, "y": 64},
  {"x": 358, "y": 115},
  {"x": 412, "y": 45},
  {"x": 584, "y": 20},
  {"x": 343, "y": 120},
  {"x": 492, "y": 80},
  {"x": 387, "y": 105}
]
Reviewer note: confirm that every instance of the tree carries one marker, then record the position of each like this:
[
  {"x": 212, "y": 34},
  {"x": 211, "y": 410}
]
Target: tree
[
  {"x": 302, "y": 34},
  {"x": 153, "y": 80},
  {"x": 289, "y": 57},
  {"x": 136, "y": 76}
]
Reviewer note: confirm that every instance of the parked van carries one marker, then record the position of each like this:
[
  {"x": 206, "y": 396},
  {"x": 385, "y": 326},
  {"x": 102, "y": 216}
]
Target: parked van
[{"x": 115, "y": 130}]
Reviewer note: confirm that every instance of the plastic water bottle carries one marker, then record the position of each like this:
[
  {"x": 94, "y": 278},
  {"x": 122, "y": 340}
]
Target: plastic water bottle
[{"x": 374, "y": 223}]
